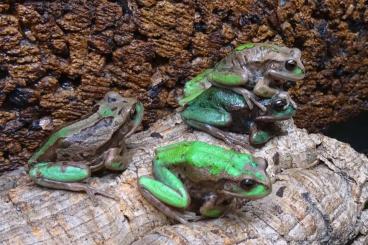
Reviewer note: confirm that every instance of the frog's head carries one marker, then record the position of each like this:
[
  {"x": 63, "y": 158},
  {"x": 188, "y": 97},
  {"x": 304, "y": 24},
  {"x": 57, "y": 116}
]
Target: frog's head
[
  {"x": 279, "y": 108},
  {"x": 285, "y": 64},
  {"x": 253, "y": 184},
  {"x": 127, "y": 113}
]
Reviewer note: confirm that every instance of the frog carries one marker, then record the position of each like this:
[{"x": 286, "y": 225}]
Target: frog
[
  {"x": 93, "y": 143},
  {"x": 195, "y": 180},
  {"x": 249, "y": 70},
  {"x": 218, "y": 111}
]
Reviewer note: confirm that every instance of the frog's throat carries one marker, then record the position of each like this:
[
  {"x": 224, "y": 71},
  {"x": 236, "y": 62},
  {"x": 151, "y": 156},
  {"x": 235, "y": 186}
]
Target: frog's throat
[
  {"x": 287, "y": 75},
  {"x": 267, "y": 191}
]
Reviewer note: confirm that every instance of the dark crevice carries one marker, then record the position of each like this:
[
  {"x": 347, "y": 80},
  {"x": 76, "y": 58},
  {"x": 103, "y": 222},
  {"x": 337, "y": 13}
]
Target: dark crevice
[
  {"x": 109, "y": 58},
  {"x": 158, "y": 61},
  {"x": 139, "y": 36},
  {"x": 312, "y": 204},
  {"x": 299, "y": 42},
  {"x": 248, "y": 19},
  {"x": 154, "y": 91},
  {"x": 124, "y": 5},
  {"x": 353, "y": 131},
  {"x": 3, "y": 72},
  {"x": 68, "y": 83},
  {"x": 200, "y": 26},
  {"x": 6, "y": 154},
  {"x": 12, "y": 9},
  {"x": 352, "y": 240},
  {"x": 356, "y": 26},
  {"x": 339, "y": 72},
  {"x": 18, "y": 98},
  {"x": 321, "y": 11},
  {"x": 324, "y": 88}
]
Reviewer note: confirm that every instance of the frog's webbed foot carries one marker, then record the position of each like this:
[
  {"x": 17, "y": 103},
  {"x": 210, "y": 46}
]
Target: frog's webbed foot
[
  {"x": 92, "y": 192},
  {"x": 191, "y": 216},
  {"x": 218, "y": 133},
  {"x": 249, "y": 97}
]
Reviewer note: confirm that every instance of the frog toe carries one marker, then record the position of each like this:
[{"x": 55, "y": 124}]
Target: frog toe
[{"x": 92, "y": 192}]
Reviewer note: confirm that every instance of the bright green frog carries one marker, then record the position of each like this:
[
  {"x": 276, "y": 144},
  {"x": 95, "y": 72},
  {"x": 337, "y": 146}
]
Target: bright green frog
[
  {"x": 250, "y": 67},
  {"x": 213, "y": 177},
  {"x": 217, "y": 111},
  {"x": 96, "y": 142}
]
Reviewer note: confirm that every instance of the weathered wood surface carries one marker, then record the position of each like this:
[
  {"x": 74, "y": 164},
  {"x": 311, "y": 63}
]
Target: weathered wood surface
[{"x": 322, "y": 204}]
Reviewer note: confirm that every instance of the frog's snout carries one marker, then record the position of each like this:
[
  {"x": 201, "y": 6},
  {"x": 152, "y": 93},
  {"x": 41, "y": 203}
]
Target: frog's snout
[{"x": 261, "y": 162}]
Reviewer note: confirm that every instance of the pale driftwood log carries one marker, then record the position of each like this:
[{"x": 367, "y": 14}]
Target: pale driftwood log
[{"x": 321, "y": 204}]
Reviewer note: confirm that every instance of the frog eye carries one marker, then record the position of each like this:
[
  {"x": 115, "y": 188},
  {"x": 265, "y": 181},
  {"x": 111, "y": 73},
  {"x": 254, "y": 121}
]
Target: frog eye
[
  {"x": 247, "y": 184},
  {"x": 290, "y": 65},
  {"x": 111, "y": 99},
  {"x": 279, "y": 104},
  {"x": 132, "y": 113}
]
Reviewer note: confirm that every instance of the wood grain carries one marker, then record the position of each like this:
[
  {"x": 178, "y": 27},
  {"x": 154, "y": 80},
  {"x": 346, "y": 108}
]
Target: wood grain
[{"x": 322, "y": 204}]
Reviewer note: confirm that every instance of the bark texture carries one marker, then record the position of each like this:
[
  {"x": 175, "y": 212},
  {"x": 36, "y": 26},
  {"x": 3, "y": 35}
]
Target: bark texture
[
  {"x": 58, "y": 57},
  {"x": 320, "y": 205}
]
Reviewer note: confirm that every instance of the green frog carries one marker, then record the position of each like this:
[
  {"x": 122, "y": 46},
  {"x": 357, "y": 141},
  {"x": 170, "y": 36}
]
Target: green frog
[
  {"x": 196, "y": 176},
  {"x": 249, "y": 70},
  {"x": 71, "y": 154},
  {"x": 218, "y": 110}
]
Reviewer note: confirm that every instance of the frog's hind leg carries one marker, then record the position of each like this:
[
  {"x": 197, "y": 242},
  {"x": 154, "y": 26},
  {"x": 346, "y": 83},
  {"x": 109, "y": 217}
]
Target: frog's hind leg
[
  {"x": 249, "y": 98},
  {"x": 207, "y": 119},
  {"x": 215, "y": 117},
  {"x": 168, "y": 189},
  {"x": 66, "y": 176},
  {"x": 162, "y": 207}
]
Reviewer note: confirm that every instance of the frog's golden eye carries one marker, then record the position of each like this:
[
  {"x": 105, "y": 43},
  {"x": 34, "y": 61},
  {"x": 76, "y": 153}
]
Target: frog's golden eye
[
  {"x": 247, "y": 184},
  {"x": 279, "y": 104},
  {"x": 290, "y": 65}
]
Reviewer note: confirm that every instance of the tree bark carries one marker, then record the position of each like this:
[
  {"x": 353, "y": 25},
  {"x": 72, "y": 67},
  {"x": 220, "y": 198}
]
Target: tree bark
[
  {"x": 58, "y": 57},
  {"x": 320, "y": 204}
]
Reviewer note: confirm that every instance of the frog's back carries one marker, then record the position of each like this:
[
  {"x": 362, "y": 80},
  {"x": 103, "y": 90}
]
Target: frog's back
[
  {"x": 220, "y": 97},
  {"x": 217, "y": 159},
  {"x": 196, "y": 86}
]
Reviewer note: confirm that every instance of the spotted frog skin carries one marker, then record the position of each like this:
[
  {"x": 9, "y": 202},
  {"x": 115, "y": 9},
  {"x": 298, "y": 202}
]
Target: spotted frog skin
[
  {"x": 219, "y": 110},
  {"x": 192, "y": 174},
  {"x": 249, "y": 70},
  {"x": 71, "y": 154}
]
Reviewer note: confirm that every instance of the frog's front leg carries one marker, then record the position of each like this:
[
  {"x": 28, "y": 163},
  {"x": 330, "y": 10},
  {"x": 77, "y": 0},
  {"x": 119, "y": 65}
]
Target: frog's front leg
[
  {"x": 249, "y": 96},
  {"x": 167, "y": 188},
  {"x": 210, "y": 207},
  {"x": 117, "y": 158},
  {"x": 258, "y": 137},
  {"x": 262, "y": 89},
  {"x": 66, "y": 176}
]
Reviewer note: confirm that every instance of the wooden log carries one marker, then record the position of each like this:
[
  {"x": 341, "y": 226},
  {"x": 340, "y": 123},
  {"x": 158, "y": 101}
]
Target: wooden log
[{"x": 321, "y": 204}]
